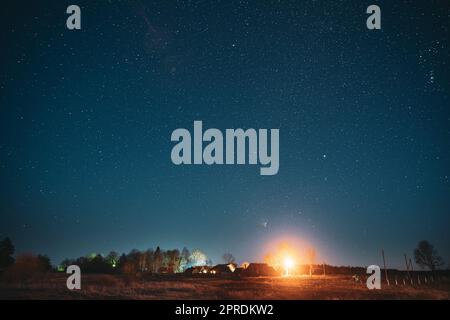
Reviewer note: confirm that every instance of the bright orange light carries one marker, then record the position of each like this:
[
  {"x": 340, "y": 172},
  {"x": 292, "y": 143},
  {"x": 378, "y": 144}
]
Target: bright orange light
[
  {"x": 288, "y": 264},
  {"x": 289, "y": 255}
]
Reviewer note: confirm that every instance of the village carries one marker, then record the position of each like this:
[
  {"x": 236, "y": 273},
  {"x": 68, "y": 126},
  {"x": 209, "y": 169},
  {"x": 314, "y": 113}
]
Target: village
[
  {"x": 246, "y": 269},
  {"x": 284, "y": 273}
]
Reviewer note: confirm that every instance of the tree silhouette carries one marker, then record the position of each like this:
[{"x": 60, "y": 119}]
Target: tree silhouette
[
  {"x": 157, "y": 259},
  {"x": 427, "y": 256},
  {"x": 6, "y": 252},
  {"x": 44, "y": 260},
  {"x": 112, "y": 259},
  {"x": 173, "y": 260},
  {"x": 184, "y": 260},
  {"x": 228, "y": 258}
]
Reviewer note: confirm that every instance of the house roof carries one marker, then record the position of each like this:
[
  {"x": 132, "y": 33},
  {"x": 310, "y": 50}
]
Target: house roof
[{"x": 223, "y": 268}]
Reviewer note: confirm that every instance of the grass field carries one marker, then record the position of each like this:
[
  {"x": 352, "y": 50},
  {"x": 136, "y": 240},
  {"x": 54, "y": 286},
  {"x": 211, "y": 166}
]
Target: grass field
[{"x": 53, "y": 286}]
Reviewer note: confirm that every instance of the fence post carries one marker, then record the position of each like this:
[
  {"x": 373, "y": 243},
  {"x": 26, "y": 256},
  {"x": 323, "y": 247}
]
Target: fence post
[
  {"x": 385, "y": 270},
  {"x": 407, "y": 266}
]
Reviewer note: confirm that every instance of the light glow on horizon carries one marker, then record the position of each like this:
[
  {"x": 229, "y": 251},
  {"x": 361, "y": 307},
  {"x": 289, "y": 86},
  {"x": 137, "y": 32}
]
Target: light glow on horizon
[{"x": 288, "y": 264}]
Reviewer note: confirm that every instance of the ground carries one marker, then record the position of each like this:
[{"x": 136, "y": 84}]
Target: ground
[{"x": 53, "y": 286}]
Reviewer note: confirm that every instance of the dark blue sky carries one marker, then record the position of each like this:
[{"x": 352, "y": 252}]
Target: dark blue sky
[{"x": 364, "y": 118}]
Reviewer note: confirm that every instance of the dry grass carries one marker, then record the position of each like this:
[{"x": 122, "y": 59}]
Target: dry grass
[{"x": 53, "y": 286}]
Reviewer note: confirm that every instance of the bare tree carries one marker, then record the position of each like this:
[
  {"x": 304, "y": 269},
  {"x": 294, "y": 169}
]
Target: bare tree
[
  {"x": 184, "y": 259},
  {"x": 427, "y": 256},
  {"x": 228, "y": 258},
  {"x": 198, "y": 258},
  {"x": 173, "y": 257},
  {"x": 6, "y": 253},
  {"x": 112, "y": 259},
  {"x": 157, "y": 259}
]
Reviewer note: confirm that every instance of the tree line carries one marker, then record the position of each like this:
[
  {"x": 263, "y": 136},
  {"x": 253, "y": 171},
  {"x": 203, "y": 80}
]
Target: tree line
[
  {"x": 153, "y": 260},
  {"x": 137, "y": 261}
]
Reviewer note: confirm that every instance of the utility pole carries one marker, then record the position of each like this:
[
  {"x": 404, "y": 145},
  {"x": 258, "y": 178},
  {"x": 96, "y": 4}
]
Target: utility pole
[{"x": 407, "y": 266}]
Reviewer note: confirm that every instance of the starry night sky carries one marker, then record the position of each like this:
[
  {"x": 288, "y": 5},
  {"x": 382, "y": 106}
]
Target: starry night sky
[{"x": 364, "y": 118}]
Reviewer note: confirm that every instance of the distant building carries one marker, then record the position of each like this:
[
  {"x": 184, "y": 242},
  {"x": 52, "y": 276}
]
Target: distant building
[
  {"x": 239, "y": 271},
  {"x": 259, "y": 270},
  {"x": 197, "y": 270},
  {"x": 223, "y": 269}
]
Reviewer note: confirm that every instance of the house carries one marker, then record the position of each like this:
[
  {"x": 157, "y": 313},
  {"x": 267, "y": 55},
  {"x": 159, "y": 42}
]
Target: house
[
  {"x": 223, "y": 269},
  {"x": 259, "y": 269},
  {"x": 197, "y": 270},
  {"x": 239, "y": 271}
]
